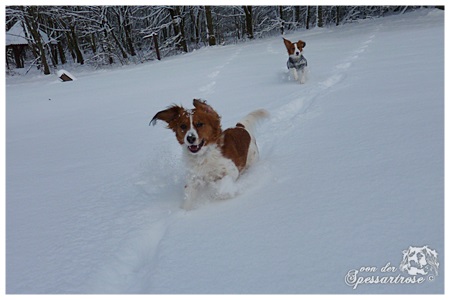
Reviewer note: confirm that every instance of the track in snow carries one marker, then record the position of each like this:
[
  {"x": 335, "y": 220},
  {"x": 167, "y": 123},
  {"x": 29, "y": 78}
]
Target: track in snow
[{"x": 130, "y": 269}]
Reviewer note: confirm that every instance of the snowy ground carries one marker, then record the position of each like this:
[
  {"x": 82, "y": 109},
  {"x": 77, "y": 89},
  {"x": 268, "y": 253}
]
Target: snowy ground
[{"x": 351, "y": 170}]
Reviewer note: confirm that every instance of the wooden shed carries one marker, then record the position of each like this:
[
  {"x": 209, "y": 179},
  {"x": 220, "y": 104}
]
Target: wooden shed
[{"x": 18, "y": 39}]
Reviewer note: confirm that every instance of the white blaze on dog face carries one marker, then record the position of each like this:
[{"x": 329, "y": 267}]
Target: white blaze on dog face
[{"x": 192, "y": 139}]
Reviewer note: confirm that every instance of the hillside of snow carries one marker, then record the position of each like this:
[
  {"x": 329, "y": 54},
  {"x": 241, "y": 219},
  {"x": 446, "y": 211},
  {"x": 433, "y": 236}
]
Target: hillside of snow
[{"x": 351, "y": 172}]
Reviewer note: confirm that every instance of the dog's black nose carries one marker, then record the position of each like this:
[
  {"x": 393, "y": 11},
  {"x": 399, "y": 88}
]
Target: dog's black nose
[
  {"x": 297, "y": 53},
  {"x": 191, "y": 138}
]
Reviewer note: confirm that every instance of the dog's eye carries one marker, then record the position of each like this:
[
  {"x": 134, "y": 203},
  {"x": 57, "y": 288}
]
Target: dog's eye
[
  {"x": 199, "y": 124},
  {"x": 183, "y": 126}
]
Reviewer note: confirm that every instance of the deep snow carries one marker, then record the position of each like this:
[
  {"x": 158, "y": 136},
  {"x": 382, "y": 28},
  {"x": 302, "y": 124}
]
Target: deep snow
[{"x": 351, "y": 170}]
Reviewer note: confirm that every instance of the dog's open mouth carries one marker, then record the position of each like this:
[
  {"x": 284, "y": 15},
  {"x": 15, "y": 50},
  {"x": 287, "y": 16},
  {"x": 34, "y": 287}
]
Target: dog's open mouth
[{"x": 196, "y": 148}]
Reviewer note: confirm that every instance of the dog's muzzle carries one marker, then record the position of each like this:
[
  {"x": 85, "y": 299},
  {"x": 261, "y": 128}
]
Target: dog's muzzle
[{"x": 196, "y": 148}]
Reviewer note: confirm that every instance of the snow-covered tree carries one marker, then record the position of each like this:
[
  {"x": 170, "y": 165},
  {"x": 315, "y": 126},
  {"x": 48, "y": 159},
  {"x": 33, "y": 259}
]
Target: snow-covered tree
[{"x": 101, "y": 35}]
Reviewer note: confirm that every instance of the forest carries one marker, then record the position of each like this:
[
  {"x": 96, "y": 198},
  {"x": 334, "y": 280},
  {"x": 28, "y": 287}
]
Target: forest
[{"x": 105, "y": 35}]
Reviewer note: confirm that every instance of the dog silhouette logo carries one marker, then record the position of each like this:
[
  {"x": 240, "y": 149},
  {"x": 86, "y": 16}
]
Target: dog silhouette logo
[{"x": 420, "y": 261}]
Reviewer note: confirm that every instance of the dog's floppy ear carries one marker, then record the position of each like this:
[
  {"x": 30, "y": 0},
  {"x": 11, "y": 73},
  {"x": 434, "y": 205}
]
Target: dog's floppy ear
[
  {"x": 287, "y": 43},
  {"x": 302, "y": 42},
  {"x": 167, "y": 115},
  {"x": 201, "y": 105}
]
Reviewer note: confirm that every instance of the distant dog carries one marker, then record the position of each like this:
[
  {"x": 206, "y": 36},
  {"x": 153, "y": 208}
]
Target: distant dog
[
  {"x": 212, "y": 155},
  {"x": 296, "y": 62}
]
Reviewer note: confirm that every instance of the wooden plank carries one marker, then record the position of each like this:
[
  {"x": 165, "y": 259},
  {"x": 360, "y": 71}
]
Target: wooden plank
[{"x": 65, "y": 77}]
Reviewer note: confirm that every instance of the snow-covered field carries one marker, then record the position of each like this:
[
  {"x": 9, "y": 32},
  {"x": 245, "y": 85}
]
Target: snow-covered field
[{"x": 351, "y": 171}]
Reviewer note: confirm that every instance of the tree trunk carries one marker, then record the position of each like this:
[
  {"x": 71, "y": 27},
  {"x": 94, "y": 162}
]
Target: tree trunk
[
  {"x": 69, "y": 45},
  {"x": 248, "y": 21},
  {"x": 62, "y": 56},
  {"x": 54, "y": 54},
  {"x": 178, "y": 26},
  {"x": 106, "y": 46},
  {"x": 308, "y": 17},
  {"x": 33, "y": 27},
  {"x": 128, "y": 35},
  {"x": 237, "y": 27},
  {"x": 338, "y": 15},
  {"x": 75, "y": 46},
  {"x": 209, "y": 26},
  {"x": 155, "y": 41},
  {"x": 119, "y": 45},
  {"x": 297, "y": 16},
  {"x": 319, "y": 16},
  {"x": 280, "y": 9},
  {"x": 53, "y": 45},
  {"x": 92, "y": 43},
  {"x": 195, "y": 26}
]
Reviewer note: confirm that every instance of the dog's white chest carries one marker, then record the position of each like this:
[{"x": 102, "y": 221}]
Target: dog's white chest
[{"x": 210, "y": 166}]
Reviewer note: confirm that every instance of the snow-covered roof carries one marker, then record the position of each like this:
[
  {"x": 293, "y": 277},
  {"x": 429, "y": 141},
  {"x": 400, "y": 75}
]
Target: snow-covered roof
[{"x": 16, "y": 35}]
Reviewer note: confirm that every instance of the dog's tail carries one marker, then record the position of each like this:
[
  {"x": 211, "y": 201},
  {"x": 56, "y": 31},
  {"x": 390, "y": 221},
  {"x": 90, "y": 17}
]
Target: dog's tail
[{"x": 252, "y": 119}]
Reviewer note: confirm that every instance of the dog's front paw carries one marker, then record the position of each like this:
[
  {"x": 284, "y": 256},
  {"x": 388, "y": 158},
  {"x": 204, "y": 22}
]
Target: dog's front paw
[{"x": 304, "y": 75}]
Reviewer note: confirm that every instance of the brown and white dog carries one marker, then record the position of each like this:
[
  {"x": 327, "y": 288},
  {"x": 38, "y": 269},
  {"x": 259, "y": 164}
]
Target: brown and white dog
[
  {"x": 296, "y": 61},
  {"x": 211, "y": 155}
]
